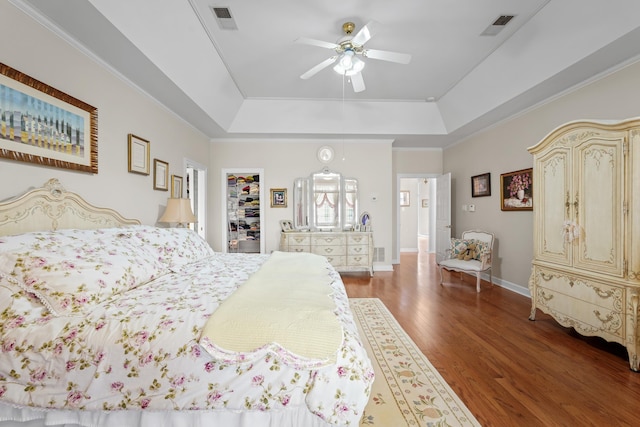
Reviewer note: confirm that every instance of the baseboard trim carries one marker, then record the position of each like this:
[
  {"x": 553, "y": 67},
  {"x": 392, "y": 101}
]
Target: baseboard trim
[{"x": 382, "y": 267}]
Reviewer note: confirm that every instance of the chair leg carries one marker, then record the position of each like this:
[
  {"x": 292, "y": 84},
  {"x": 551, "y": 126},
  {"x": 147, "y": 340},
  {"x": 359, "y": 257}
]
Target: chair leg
[
  {"x": 478, "y": 281},
  {"x": 441, "y": 278}
]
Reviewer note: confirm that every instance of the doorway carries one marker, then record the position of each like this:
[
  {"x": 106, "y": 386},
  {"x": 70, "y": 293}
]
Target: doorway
[
  {"x": 196, "y": 187},
  {"x": 415, "y": 213}
]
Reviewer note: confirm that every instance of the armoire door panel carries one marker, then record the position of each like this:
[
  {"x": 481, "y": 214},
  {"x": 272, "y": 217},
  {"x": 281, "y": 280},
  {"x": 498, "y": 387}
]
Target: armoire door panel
[
  {"x": 553, "y": 174},
  {"x": 598, "y": 202},
  {"x": 633, "y": 206}
]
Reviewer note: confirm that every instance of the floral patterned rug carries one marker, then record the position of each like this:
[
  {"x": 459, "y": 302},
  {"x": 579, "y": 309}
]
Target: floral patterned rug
[{"x": 407, "y": 390}]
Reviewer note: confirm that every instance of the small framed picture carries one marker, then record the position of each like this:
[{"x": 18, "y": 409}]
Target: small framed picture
[
  {"x": 160, "y": 175},
  {"x": 481, "y": 185},
  {"x": 278, "y": 197},
  {"x": 138, "y": 155},
  {"x": 176, "y": 186},
  {"x": 404, "y": 198},
  {"x": 285, "y": 225}
]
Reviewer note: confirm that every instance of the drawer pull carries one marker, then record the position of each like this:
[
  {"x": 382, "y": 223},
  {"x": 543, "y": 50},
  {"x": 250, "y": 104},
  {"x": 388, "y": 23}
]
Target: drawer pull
[
  {"x": 328, "y": 250},
  {"x": 357, "y": 249}
]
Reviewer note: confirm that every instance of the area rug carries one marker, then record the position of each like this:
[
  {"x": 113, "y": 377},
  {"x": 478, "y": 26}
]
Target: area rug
[{"x": 408, "y": 390}]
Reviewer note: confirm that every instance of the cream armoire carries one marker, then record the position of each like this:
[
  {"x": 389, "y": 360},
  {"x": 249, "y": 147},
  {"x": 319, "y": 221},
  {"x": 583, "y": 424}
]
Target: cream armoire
[{"x": 586, "y": 237}]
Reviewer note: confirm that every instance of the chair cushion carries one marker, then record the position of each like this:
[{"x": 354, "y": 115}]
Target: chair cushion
[{"x": 458, "y": 264}]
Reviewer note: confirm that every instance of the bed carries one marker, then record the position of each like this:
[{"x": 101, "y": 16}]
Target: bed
[{"x": 105, "y": 322}]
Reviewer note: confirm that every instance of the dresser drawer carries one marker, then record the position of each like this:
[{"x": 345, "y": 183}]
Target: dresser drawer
[
  {"x": 329, "y": 250},
  {"x": 328, "y": 239},
  {"x": 358, "y": 250},
  {"x": 297, "y": 248},
  {"x": 358, "y": 239},
  {"x": 358, "y": 260},
  {"x": 297, "y": 239},
  {"x": 337, "y": 261}
]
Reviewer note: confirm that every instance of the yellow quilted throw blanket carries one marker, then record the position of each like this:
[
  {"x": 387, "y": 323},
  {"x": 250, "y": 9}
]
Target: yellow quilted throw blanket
[{"x": 286, "y": 307}]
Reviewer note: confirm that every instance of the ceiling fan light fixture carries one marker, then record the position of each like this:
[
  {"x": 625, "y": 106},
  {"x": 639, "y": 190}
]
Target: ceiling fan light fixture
[{"x": 348, "y": 64}]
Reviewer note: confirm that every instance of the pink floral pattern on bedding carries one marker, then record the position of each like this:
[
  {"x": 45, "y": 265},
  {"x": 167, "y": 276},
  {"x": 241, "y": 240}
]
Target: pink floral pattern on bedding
[{"x": 138, "y": 348}]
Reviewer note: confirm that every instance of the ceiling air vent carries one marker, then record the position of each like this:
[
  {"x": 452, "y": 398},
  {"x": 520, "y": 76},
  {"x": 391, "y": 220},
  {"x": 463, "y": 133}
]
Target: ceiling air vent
[
  {"x": 497, "y": 25},
  {"x": 224, "y": 18}
]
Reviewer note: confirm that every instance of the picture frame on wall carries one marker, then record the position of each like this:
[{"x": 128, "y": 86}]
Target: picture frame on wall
[
  {"x": 160, "y": 175},
  {"x": 405, "y": 198},
  {"x": 481, "y": 185},
  {"x": 278, "y": 197},
  {"x": 516, "y": 190},
  {"x": 176, "y": 186},
  {"x": 139, "y": 154},
  {"x": 45, "y": 126}
]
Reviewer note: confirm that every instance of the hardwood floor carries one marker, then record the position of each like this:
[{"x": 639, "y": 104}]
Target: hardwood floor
[{"x": 508, "y": 370}]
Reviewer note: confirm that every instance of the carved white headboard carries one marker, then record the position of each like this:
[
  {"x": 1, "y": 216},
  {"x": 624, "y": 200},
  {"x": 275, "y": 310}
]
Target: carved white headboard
[{"x": 52, "y": 207}]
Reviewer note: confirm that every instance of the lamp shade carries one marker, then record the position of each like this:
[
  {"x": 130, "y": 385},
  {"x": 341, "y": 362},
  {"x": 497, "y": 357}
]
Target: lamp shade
[{"x": 179, "y": 211}]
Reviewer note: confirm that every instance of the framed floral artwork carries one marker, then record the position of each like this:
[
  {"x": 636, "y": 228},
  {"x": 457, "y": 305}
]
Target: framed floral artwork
[{"x": 516, "y": 190}]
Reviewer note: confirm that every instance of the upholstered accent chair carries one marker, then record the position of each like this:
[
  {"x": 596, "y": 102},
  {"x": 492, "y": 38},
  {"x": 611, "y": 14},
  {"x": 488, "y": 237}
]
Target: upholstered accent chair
[{"x": 479, "y": 260}]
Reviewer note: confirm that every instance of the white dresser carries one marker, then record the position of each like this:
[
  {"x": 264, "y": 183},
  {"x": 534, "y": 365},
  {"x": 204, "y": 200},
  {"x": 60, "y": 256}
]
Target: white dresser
[
  {"x": 346, "y": 250},
  {"x": 586, "y": 195}
]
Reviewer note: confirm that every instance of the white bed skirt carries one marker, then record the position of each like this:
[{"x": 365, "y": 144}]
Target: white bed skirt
[{"x": 27, "y": 417}]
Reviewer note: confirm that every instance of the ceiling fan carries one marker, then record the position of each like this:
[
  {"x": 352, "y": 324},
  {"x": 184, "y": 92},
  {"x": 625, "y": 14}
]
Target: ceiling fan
[{"x": 347, "y": 49}]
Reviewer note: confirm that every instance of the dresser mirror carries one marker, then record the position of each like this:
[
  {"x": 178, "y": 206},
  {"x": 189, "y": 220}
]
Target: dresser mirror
[{"x": 325, "y": 201}]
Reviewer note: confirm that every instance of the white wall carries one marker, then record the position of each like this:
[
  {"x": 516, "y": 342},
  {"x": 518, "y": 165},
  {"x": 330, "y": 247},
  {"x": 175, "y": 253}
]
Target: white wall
[
  {"x": 35, "y": 51},
  {"x": 503, "y": 149},
  {"x": 283, "y": 162}
]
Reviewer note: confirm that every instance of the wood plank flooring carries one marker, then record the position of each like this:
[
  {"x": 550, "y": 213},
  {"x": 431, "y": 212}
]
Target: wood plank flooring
[{"x": 508, "y": 370}]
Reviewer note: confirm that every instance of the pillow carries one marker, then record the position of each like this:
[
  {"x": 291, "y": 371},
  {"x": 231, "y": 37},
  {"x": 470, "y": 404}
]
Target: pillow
[
  {"x": 459, "y": 246},
  {"x": 70, "y": 271},
  {"x": 173, "y": 247}
]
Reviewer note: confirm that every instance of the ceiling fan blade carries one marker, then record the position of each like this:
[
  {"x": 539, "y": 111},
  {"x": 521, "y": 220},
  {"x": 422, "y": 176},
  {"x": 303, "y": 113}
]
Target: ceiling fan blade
[
  {"x": 314, "y": 42},
  {"x": 319, "y": 67},
  {"x": 366, "y": 33},
  {"x": 400, "y": 58},
  {"x": 357, "y": 82}
]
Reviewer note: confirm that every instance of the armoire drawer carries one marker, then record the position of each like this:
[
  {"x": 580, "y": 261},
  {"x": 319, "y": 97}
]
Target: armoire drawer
[
  {"x": 586, "y": 318},
  {"x": 587, "y": 290}
]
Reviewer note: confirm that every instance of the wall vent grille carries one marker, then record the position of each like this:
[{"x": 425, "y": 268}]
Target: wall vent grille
[{"x": 378, "y": 254}]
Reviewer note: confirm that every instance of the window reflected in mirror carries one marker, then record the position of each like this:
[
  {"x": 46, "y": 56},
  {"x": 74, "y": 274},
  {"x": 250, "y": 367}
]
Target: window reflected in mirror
[{"x": 325, "y": 201}]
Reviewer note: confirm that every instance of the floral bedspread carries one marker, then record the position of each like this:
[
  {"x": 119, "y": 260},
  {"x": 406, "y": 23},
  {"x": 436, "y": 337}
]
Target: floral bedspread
[{"x": 136, "y": 346}]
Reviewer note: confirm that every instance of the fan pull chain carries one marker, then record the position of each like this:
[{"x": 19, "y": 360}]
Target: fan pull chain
[{"x": 344, "y": 77}]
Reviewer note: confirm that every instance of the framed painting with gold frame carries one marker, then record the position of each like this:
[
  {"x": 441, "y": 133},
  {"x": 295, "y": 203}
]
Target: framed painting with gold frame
[
  {"x": 139, "y": 154},
  {"x": 176, "y": 186},
  {"x": 45, "y": 126},
  {"x": 160, "y": 175}
]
